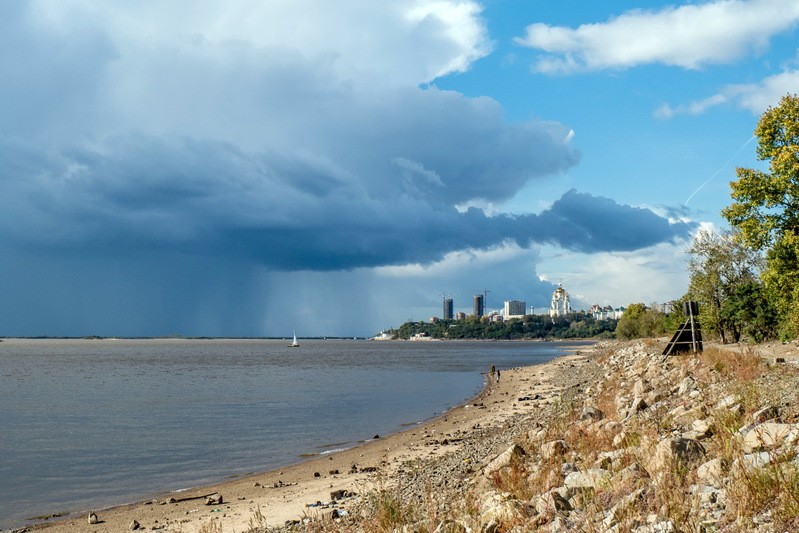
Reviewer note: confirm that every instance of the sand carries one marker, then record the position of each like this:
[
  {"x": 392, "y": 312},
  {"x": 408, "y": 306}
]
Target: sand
[{"x": 272, "y": 498}]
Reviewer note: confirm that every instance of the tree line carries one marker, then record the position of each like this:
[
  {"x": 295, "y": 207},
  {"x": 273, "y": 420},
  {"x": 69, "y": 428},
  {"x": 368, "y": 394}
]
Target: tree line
[{"x": 572, "y": 326}]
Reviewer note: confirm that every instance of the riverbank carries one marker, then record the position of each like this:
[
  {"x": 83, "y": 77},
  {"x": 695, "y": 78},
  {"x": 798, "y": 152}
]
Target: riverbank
[{"x": 291, "y": 493}]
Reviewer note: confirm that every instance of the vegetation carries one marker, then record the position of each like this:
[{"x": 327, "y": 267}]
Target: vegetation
[
  {"x": 640, "y": 321},
  {"x": 725, "y": 279},
  {"x": 747, "y": 280},
  {"x": 573, "y": 326}
]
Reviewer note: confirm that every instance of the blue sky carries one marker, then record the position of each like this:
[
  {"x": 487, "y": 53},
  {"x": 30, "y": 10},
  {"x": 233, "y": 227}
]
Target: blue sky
[{"x": 250, "y": 168}]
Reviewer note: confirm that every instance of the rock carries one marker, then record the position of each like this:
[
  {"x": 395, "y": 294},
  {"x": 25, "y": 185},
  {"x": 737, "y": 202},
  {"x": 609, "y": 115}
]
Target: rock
[
  {"x": 674, "y": 450},
  {"x": 507, "y": 458},
  {"x": 686, "y": 385},
  {"x": 496, "y": 509},
  {"x": 767, "y": 413},
  {"x": 753, "y": 461},
  {"x": 591, "y": 413},
  {"x": 214, "y": 499},
  {"x": 93, "y": 519},
  {"x": 770, "y": 435},
  {"x": 700, "y": 429},
  {"x": 328, "y": 514},
  {"x": 134, "y": 525},
  {"x": 552, "y": 449},
  {"x": 726, "y": 402},
  {"x": 339, "y": 494},
  {"x": 568, "y": 468},
  {"x": 552, "y": 502},
  {"x": 711, "y": 472},
  {"x": 641, "y": 387},
  {"x": 621, "y": 509},
  {"x": 637, "y": 406},
  {"x": 592, "y": 478}
]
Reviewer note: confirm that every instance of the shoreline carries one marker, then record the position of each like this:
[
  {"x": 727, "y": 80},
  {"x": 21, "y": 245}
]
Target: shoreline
[{"x": 269, "y": 499}]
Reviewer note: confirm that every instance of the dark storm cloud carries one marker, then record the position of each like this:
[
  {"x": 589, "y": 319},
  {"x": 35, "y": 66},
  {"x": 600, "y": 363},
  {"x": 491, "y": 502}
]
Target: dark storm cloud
[
  {"x": 159, "y": 162},
  {"x": 586, "y": 223},
  {"x": 288, "y": 213}
]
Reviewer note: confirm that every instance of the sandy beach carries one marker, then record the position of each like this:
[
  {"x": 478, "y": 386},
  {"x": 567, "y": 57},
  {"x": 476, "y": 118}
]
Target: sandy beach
[{"x": 306, "y": 490}]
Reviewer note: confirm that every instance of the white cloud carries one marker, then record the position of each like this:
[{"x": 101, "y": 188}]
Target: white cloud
[
  {"x": 688, "y": 36},
  {"x": 404, "y": 41},
  {"x": 754, "y": 97},
  {"x": 654, "y": 274}
]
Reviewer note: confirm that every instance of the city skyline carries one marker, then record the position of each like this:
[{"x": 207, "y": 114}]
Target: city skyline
[{"x": 249, "y": 168}]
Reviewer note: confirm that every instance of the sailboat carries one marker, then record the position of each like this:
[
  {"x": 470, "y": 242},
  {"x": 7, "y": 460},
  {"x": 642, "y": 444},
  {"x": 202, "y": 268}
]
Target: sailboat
[{"x": 294, "y": 343}]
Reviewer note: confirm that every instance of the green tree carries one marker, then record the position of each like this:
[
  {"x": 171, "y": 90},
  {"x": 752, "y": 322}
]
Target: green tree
[
  {"x": 719, "y": 264},
  {"x": 765, "y": 208}
]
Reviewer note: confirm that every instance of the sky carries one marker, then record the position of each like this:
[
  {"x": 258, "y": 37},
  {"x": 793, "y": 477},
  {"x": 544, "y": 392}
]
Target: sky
[{"x": 249, "y": 168}]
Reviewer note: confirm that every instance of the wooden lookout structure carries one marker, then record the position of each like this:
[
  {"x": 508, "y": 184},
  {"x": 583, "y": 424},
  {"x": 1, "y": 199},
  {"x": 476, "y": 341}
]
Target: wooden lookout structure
[{"x": 689, "y": 336}]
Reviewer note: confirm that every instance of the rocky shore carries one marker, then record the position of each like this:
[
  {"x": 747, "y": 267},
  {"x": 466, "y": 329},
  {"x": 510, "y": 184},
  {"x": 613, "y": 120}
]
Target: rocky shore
[
  {"x": 633, "y": 442},
  {"x": 617, "y": 438}
]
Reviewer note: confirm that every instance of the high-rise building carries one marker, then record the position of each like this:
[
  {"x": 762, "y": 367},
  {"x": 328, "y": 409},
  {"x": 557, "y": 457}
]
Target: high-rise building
[
  {"x": 478, "y": 305},
  {"x": 514, "y": 308},
  {"x": 448, "y": 309}
]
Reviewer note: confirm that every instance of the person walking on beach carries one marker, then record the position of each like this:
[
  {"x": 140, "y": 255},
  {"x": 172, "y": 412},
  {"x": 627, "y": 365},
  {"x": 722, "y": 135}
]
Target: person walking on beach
[{"x": 497, "y": 376}]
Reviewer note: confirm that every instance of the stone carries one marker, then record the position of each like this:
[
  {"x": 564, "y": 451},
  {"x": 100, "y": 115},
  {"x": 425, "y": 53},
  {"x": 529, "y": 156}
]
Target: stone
[
  {"x": 752, "y": 461},
  {"x": 770, "y": 435},
  {"x": 767, "y": 413},
  {"x": 496, "y": 509},
  {"x": 339, "y": 495},
  {"x": 568, "y": 468},
  {"x": 641, "y": 387},
  {"x": 505, "y": 459},
  {"x": 711, "y": 472},
  {"x": 591, "y": 413},
  {"x": 637, "y": 406},
  {"x": 552, "y": 449},
  {"x": 686, "y": 385},
  {"x": 134, "y": 525},
  {"x": 214, "y": 499},
  {"x": 552, "y": 502},
  {"x": 674, "y": 450},
  {"x": 726, "y": 402},
  {"x": 592, "y": 478}
]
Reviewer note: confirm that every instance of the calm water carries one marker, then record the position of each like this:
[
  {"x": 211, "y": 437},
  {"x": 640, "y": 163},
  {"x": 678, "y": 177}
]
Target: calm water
[{"x": 87, "y": 424}]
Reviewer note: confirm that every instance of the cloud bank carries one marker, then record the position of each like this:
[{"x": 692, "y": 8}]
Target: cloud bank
[{"x": 148, "y": 149}]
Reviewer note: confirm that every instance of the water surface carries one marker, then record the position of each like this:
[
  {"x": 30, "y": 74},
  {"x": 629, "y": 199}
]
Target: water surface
[{"x": 91, "y": 423}]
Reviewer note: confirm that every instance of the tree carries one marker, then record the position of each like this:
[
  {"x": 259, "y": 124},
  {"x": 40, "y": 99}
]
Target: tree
[
  {"x": 765, "y": 208},
  {"x": 640, "y": 321},
  {"x": 766, "y": 204},
  {"x": 719, "y": 264}
]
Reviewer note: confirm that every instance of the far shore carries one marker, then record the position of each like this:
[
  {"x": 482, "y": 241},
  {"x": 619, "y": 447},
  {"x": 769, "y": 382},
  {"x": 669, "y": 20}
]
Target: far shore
[{"x": 305, "y": 489}]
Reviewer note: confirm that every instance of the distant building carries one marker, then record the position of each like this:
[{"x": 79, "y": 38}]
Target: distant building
[
  {"x": 460, "y": 316},
  {"x": 448, "y": 309},
  {"x": 560, "y": 303},
  {"x": 434, "y": 320},
  {"x": 514, "y": 308},
  {"x": 495, "y": 317},
  {"x": 606, "y": 313},
  {"x": 478, "y": 305}
]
